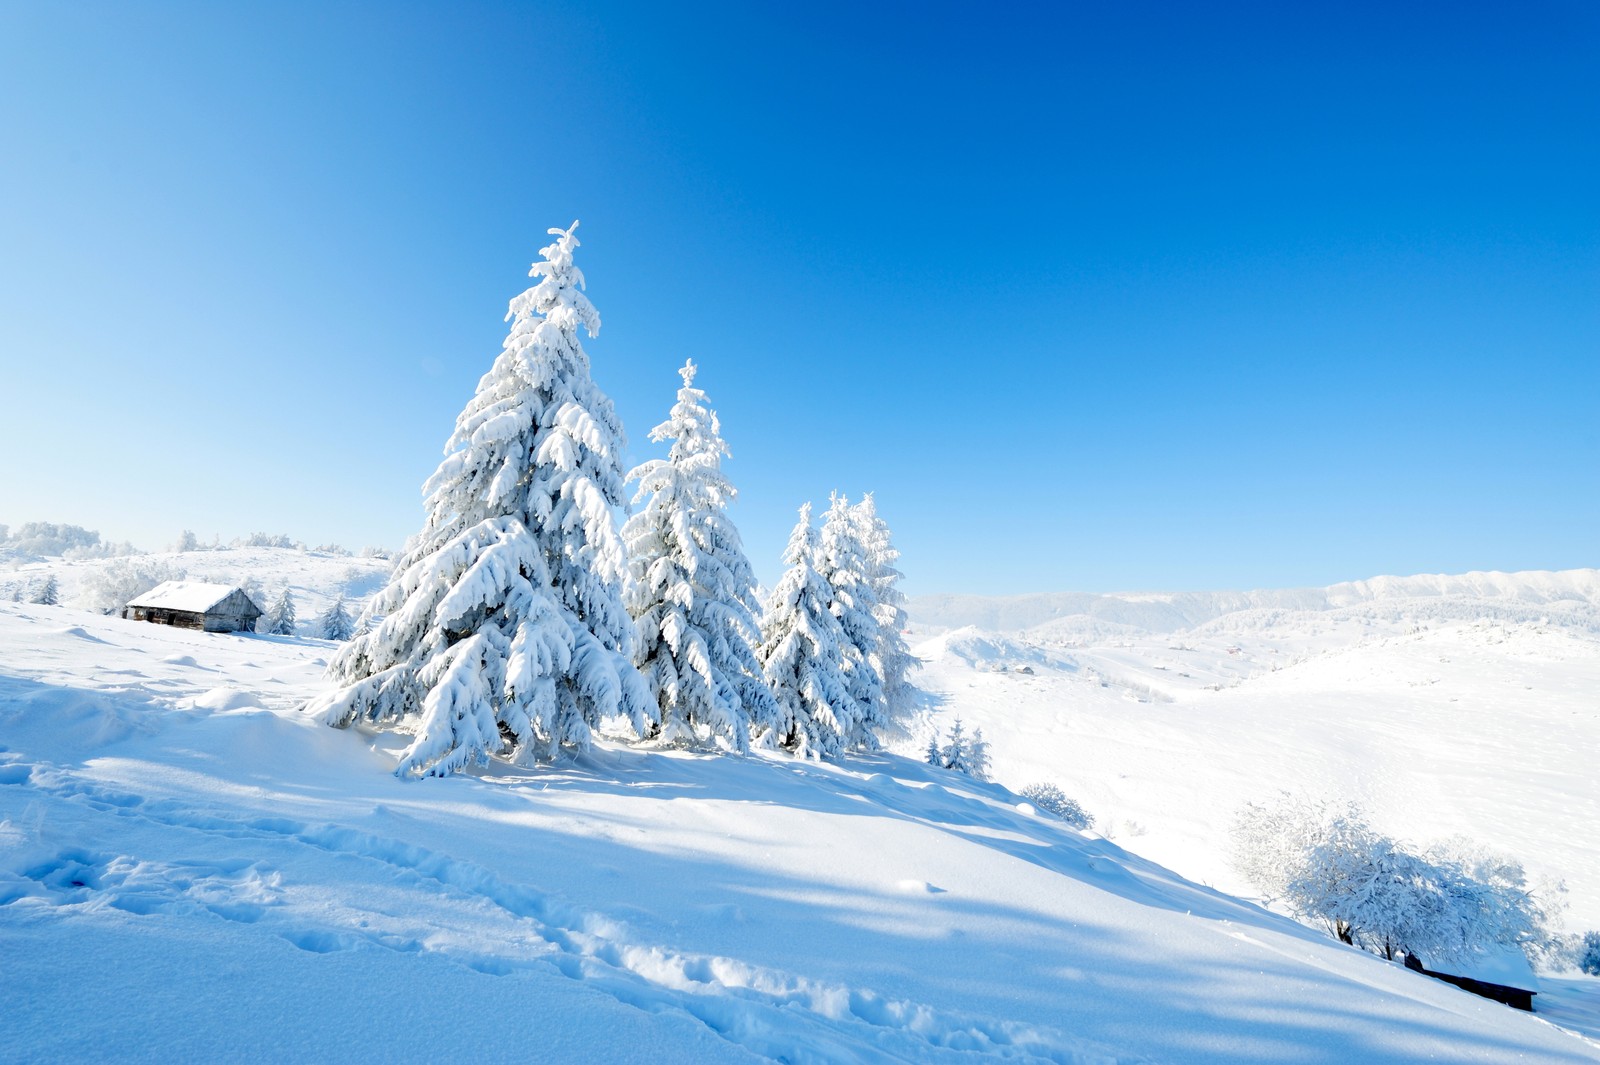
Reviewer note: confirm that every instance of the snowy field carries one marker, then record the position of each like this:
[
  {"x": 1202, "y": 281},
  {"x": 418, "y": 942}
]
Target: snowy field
[
  {"x": 190, "y": 869},
  {"x": 1444, "y": 705}
]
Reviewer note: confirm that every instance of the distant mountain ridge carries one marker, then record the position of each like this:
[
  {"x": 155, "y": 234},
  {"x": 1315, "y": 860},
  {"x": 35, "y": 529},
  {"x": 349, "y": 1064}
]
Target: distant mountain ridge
[{"x": 1176, "y": 611}]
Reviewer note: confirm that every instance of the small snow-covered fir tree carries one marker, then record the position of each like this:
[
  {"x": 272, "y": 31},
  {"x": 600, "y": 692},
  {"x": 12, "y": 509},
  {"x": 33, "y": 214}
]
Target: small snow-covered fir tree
[
  {"x": 895, "y": 660},
  {"x": 802, "y": 654},
  {"x": 504, "y": 628},
  {"x": 279, "y": 619},
  {"x": 843, "y": 566},
  {"x": 49, "y": 593},
  {"x": 335, "y": 623},
  {"x": 693, "y": 593},
  {"x": 961, "y": 752}
]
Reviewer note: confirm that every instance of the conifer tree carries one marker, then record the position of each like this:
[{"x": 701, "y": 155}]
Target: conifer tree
[
  {"x": 279, "y": 620},
  {"x": 693, "y": 592},
  {"x": 504, "y": 628},
  {"x": 49, "y": 593},
  {"x": 894, "y": 657},
  {"x": 335, "y": 624},
  {"x": 802, "y": 653},
  {"x": 851, "y": 599}
]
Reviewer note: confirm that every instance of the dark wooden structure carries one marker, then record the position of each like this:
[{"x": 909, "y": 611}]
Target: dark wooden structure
[
  {"x": 1519, "y": 998},
  {"x": 195, "y": 605}
]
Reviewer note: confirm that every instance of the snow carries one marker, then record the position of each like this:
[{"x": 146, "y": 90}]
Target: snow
[
  {"x": 195, "y": 596},
  {"x": 193, "y": 869},
  {"x": 1444, "y": 706}
]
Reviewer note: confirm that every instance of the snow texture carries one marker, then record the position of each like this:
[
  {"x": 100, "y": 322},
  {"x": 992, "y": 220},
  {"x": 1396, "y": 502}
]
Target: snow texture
[{"x": 193, "y": 870}]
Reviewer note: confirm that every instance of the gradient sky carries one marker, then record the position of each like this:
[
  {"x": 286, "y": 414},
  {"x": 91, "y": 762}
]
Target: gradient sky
[{"x": 1092, "y": 296}]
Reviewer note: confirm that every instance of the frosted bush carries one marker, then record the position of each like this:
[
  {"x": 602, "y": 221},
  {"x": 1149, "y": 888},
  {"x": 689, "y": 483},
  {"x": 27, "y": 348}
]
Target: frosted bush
[
  {"x": 1051, "y": 799},
  {"x": 1589, "y": 953}
]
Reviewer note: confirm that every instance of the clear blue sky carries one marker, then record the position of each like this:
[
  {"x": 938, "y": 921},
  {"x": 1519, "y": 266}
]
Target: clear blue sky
[{"x": 1093, "y": 296}]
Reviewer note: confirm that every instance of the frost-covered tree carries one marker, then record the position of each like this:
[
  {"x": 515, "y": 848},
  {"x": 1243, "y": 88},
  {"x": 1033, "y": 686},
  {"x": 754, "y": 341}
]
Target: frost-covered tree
[
  {"x": 504, "y": 628},
  {"x": 895, "y": 661},
  {"x": 109, "y": 588},
  {"x": 693, "y": 592},
  {"x": 933, "y": 756},
  {"x": 279, "y": 618},
  {"x": 842, "y": 564},
  {"x": 187, "y": 541},
  {"x": 48, "y": 593},
  {"x": 335, "y": 623},
  {"x": 802, "y": 655},
  {"x": 1327, "y": 864},
  {"x": 1588, "y": 953}
]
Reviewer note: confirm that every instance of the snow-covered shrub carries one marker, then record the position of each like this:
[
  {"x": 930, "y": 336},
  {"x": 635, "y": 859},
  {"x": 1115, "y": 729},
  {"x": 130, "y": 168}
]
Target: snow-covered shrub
[
  {"x": 108, "y": 588},
  {"x": 1051, "y": 799},
  {"x": 332, "y": 549},
  {"x": 1588, "y": 958},
  {"x": 375, "y": 552},
  {"x": 44, "y": 538},
  {"x": 693, "y": 592},
  {"x": 262, "y": 539},
  {"x": 1327, "y": 864},
  {"x": 503, "y": 627}
]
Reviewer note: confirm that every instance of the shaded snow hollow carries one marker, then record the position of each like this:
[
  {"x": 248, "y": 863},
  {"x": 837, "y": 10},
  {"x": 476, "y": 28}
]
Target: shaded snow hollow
[{"x": 192, "y": 869}]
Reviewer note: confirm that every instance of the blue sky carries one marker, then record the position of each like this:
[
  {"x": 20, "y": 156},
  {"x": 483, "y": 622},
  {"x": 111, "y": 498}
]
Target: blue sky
[{"x": 1092, "y": 296}]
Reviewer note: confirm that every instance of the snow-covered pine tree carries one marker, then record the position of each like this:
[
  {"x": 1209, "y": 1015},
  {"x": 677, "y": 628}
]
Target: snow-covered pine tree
[
  {"x": 964, "y": 754},
  {"x": 802, "y": 654},
  {"x": 894, "y": 657},
  {"x": 335, "y": 624},
  {"x": 933, "y": 755},
  {"x": 842, "y": 564},
  {"x": 49, "y": 593},
  {"x": 693, "y": 592},
  {"x": 504, "y": 624},
  {"x": 279, "y": 620}
]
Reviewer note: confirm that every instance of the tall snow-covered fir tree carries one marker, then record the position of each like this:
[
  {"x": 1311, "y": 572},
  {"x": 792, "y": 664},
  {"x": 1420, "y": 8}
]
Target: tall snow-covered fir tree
[
  {"x": 841, "y": 562},
  {"x": 894, "y": 658},
  {"x": 504, "y": 628},
  {"x": 49, "y": 593},
  {"x": 693, "y": 594},
  {"x": 802, "y": 653}
]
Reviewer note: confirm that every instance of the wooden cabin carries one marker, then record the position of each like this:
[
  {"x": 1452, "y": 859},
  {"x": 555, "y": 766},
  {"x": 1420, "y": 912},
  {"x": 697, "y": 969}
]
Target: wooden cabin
[{"x": 195, "y": 605}]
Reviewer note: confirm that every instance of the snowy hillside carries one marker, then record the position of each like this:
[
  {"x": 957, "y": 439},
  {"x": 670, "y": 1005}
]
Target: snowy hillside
[
  {"x": 1444, "y": 705},
  {"x": 314, "y": 578},
  {"x": 221, "y": 879}
]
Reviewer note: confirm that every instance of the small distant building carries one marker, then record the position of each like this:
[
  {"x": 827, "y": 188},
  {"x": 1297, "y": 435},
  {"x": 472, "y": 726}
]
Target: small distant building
[
  {"x": 195, "y": 605},
  {"x": 1502, "y": 974}
]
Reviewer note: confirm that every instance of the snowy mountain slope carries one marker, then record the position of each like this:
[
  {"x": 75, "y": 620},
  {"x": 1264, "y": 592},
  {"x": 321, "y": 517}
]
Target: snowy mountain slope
[
  {"x": 231, "y": 881},
  {"x": 1438, "y": 725},
  {"x": 1576, "y": 592},
  {"x": 314, "y": 578}
]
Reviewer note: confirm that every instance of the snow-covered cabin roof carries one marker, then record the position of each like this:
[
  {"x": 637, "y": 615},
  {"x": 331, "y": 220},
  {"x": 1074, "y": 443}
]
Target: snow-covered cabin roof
[{"x": 194, "y": 596}]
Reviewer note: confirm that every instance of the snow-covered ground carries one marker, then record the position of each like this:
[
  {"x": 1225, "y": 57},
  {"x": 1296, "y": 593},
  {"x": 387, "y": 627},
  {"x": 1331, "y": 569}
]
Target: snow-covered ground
[
  {"x": 1444, "y": 705},
  {"x": 191, "y": 869}
]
